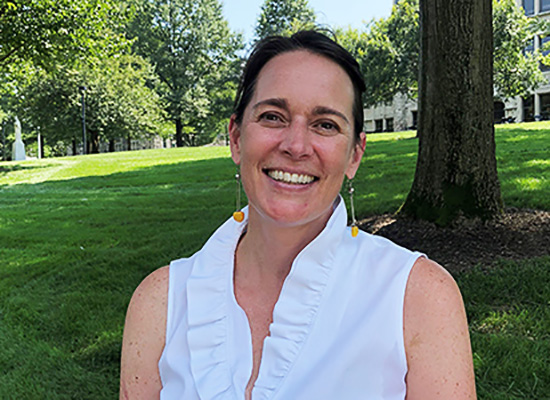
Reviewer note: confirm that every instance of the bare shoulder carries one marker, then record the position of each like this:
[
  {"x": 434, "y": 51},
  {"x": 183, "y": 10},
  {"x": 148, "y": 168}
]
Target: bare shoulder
[
  {"x": 436, "y": 335},
  {"x": 144, "y": 336}
]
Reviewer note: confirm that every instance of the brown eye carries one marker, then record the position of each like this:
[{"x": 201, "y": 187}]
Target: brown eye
[
  {"x": 270, "y": 117},
  {"x": 327, "y": 128}
]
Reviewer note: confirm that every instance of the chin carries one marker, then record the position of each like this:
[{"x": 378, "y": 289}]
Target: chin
[{"x": 290, "y": 214}]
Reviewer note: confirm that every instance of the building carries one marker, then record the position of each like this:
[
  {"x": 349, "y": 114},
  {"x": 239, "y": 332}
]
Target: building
[{"x": 402, "y": 113}]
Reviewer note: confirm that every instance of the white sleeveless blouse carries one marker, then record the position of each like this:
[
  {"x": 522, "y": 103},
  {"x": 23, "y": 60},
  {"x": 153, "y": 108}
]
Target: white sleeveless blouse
[{"x": 337, "y": 330}]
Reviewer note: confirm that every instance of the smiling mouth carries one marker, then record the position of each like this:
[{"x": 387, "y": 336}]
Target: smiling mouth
[{"x": 287, "y": 177}]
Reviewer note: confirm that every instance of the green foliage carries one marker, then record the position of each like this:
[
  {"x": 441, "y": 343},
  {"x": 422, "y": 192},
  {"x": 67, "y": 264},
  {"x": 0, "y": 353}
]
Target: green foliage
[
  {"x": 45, "y": 31},
  {"x": 389, "y": 52},
  {"x": 282, "y": 17},
  {"x": 194, "y": 55},
  {"x": 516, "y": 71},
  {"x": 391, "y": 55},
  {"x": 118, "y": 98}
]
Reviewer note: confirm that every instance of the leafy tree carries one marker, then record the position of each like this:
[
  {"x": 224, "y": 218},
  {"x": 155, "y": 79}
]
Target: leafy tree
[
  {"x": 456, "y": 168},
  {"x": 516, "y": 71},
  {"x": 280, "y": 17},
  {"x": 119, "y": 102},
  {"x": 193, "y": 52},
  {"x": 389, "y": 53},
  {"x": 45, "y": 31},
  {"x": 390, "y": 56},
  {"x": 38, "y": 35}
]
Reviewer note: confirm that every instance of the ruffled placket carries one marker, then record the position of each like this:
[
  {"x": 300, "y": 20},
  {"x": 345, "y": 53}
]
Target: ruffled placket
[
  {"x": 295, "y": 311},
  {"x": 210, "y": 318},
  {"x": 216, "y": 322}
]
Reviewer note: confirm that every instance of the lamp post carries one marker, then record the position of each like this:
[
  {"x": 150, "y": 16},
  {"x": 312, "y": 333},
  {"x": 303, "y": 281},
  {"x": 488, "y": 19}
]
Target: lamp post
[{"x": 83, "y": 91}]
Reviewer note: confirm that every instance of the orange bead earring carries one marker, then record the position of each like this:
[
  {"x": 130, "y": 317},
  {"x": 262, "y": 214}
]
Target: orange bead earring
[
  {"x": 354, "y": 228},
  {"x": 238, "y": 215}
]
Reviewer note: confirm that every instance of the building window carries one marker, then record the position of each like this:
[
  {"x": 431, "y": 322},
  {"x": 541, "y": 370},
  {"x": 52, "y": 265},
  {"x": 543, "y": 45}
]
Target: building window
[
  {"x": 545, "y": 50},
  {"x": 528, "y": 109},
  {"x": 529, "y": 7},
  {"x": 378, "y": 125},
  {"x": 389, "y": 124},
  {"x": 544, "y": 5},
  {"x": 545, "y": 106},
  {"x": 415, "y": 120},
  {"x": 499, "y": 112}
]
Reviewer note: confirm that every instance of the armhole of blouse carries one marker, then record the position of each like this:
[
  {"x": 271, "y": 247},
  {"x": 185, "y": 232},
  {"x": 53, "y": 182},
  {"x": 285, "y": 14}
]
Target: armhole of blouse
[{"x": 169, "y": 305}]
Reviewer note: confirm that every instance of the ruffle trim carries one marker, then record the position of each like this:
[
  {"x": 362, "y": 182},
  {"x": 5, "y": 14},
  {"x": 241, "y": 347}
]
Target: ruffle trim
[
  {"x": 209, "y": 294},
  {"x": 208, "y": 313},
  {"x": 298, "y": 304}
]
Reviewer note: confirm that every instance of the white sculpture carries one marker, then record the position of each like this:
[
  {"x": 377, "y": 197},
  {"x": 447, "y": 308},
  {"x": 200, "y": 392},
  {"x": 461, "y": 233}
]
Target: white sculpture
[{"x": 18, "y": 149}]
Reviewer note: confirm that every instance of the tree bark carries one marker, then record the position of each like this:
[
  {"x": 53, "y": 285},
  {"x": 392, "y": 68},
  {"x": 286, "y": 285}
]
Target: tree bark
[
  {"x": 456, "y": 170},
  {"x": 179, "y": 133}
]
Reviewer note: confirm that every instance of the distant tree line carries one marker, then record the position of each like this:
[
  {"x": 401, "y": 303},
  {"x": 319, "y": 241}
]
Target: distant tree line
[{"x": 170, "y": 68}]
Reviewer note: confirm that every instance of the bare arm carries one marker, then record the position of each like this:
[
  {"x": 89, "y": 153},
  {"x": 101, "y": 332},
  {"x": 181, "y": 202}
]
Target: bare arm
[
  {"x": 437, "y": 341},
  {"x": 144, "y": 337}
]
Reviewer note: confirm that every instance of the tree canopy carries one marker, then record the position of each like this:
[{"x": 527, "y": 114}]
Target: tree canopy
[
  {"x": 389, "y": 52},
  {"x": 119, "y": 101},
  {"x": 46, "y": 31},
  {"x": 194, "y": 53},
  {"x": 280, "y": 17},
  {"x": 516, "y": 69}
]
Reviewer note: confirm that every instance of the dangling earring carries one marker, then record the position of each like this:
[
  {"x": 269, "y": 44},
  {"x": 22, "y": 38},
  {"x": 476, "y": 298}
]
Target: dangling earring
[
  {"x": 238, "y": 215},
  {"x": 354, "y": 228}
]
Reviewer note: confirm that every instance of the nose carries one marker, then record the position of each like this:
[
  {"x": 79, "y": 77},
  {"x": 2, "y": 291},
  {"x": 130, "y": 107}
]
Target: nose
[{"x": 296, "y": 141}]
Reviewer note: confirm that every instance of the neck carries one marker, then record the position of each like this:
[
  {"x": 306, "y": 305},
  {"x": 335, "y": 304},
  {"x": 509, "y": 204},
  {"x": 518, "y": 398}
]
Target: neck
[{"x": 267, "y": 250}]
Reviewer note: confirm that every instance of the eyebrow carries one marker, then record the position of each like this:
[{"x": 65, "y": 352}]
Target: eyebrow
[
  {"x": 321, "y": 110},
  {"x": 276, "y": 102}
]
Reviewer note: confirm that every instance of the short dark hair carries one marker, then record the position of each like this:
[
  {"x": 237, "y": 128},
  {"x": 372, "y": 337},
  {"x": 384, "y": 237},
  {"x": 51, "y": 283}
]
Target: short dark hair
[{"x": 312, "y": 41}]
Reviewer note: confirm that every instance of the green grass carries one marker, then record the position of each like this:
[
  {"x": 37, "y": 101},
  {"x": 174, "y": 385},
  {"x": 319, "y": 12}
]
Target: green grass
[{"x": 78, "y": 234}]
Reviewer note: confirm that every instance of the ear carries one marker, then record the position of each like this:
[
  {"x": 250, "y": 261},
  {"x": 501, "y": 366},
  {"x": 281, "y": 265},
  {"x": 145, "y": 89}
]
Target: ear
[
  {"x": 356, "y": 156},
  {"x": 235, "y": 139}
]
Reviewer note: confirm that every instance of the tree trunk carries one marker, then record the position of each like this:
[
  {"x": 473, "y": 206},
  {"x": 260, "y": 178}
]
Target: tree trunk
[
  {"x": 456, "y": 169},
  {"x": 111, "y": 145},
  {"x": 179, "y": 133},
  {"x": 74, "y": 148},
  {"x": 129, "y": 143}
]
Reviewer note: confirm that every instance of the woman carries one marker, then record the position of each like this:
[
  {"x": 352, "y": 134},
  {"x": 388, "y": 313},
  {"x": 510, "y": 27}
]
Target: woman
[{"x": 288, "y": 303}]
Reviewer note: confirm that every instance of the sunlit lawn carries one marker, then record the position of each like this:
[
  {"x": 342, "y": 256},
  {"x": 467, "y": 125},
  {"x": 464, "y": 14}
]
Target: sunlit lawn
[{"x": 78, "y": 234}]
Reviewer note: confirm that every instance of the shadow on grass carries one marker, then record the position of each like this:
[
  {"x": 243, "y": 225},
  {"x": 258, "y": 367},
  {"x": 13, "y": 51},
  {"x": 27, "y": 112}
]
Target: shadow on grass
[{"x": 4, "y": 169}]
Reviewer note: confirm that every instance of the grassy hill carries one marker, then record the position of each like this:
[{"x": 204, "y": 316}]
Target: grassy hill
[{"x": 78, "y": 234}]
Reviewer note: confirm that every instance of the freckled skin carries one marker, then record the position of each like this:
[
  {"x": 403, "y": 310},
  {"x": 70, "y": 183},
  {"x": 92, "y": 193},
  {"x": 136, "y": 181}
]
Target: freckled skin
[
  {"x": 143, "y": 341},
  {"x": 436, "y": 337}
]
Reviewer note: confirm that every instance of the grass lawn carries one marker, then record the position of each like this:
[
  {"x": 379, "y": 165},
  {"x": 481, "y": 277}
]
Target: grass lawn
[{"x": 78, "y": 234}]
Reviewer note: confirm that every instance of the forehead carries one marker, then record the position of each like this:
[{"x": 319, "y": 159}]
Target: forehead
[{"x": 305, "y": 77}]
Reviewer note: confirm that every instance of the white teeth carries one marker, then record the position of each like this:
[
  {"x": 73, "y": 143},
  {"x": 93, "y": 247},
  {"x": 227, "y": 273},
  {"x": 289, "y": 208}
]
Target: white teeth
[{"x": 290, "y": 178}]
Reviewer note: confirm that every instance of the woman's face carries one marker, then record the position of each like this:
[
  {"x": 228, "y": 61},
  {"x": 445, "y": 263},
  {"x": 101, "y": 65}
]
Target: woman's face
[{"x": 296, "y": 141}]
